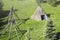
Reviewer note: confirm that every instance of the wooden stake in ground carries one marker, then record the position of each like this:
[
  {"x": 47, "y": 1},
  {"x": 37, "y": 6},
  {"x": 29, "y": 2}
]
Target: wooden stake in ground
[
  {"x": 11, "y": 22},
  {"x": 28, "y": 34}
]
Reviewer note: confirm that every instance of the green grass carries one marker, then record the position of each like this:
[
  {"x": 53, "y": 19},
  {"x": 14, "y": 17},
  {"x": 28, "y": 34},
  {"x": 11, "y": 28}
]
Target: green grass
[
  {"x": 25, "y": 9},
  {"x": 37, "y": 29},
  {"x": 55, "y": 14}
]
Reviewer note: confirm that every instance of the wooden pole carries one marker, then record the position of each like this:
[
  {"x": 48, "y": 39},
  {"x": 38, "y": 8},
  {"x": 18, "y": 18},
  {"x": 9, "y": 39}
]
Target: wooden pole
[{"x": 28, "y": 34}]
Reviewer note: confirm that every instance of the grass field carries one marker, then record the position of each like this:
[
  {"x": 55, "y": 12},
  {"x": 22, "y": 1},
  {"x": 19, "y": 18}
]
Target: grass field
[
  {"x": 55, "y": 14},
  {"x": 25, "y": 9}
]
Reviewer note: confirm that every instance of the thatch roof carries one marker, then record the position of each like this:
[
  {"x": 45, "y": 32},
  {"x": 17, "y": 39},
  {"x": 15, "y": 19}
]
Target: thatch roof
[{"x": 37, "y": 14}]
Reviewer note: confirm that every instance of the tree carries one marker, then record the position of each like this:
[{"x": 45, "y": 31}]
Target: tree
[{"x": 50, "y": 31}]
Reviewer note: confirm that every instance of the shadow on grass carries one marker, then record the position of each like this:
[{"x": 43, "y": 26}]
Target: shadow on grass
[
  {"x": 2, "y": 23},
  {"x": 57, "y": 36},
  {"x": 38, "y": 2},
  {"x": 14, "y": 33},
  {"x": 23, "y": 21},
  {"x": 22, "y": 32},
  {"x": 57, "y": 3},
  {"x": 3, "y": 14},
  {"x": 41, "y": 1}
]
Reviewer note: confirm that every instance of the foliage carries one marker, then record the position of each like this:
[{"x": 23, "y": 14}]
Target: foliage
[
  {"x": 50, "y": 31},
  {"x": 52, "y": 2}
]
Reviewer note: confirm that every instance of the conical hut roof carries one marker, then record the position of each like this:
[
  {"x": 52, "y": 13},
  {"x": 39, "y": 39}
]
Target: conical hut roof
[{"x": 37, "y": 14}]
